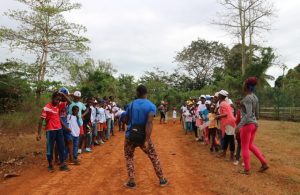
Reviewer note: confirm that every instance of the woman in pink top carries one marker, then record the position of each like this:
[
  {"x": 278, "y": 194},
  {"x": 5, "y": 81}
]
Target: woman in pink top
[{"x": 227, "y": 125}]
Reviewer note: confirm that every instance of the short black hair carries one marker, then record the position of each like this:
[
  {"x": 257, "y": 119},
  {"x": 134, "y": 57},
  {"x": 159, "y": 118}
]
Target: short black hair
[
  {"x": 141, "y": 90},
  {"x": 55, "y": 95},
  {"x": 74, "y": 107}
]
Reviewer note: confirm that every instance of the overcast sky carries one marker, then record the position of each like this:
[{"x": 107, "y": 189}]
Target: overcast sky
[{"x": 136, "y": 35}]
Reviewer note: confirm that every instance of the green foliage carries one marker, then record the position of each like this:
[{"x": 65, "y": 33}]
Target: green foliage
[
  {"x": 200, "y": 59},
  {"x": 13, "y": 85},
  {"x": 43, "y": 31}
]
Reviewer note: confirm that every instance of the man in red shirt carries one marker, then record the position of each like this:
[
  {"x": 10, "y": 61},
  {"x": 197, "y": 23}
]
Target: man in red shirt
[{"x": 54, "y": 132}]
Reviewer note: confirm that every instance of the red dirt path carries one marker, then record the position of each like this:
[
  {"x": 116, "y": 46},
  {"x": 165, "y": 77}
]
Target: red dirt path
[{"x": 103, "y": 171}]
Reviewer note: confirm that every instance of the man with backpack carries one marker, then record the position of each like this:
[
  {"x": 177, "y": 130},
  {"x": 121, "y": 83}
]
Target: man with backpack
[{"x": 139, "y": 117}]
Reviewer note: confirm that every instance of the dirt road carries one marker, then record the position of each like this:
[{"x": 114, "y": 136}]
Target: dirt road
[
  {"x": 189, "y": 166},
  {"x": 103, "y": 171}
]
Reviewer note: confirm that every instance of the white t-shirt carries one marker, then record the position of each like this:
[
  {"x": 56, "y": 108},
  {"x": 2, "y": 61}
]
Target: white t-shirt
[
  {"x": 183, "y": 109},
  {"x": 73, "y": 125},
  {"x": 118, "y": 114},
  {"x": 101, "y": 118},
  {"x": 188, "y": 116},
  {"x": 174, "y": 114},
  {"x": 200, "y": 108},
  {"x": 108, "y": 114},
  {"x": 93, "y": 114},
  {"x": 229, "y": 130}
]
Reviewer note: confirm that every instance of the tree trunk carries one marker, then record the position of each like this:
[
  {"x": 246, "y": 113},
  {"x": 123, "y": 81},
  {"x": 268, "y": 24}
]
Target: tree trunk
[{"x": 243, "y": 35}]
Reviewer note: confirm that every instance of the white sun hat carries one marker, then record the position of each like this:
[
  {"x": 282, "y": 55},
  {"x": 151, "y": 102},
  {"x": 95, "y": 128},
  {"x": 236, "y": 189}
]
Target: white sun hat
[{"x": 223, "y": 93}]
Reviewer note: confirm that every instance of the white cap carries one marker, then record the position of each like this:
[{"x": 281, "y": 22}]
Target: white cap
[
  {"x": 95, "y": 101},
  {"x": 202, "y": 96},
  {"x": 77, "y": 94},
  {"x": 223, "y": 93},
  {"x": 216, "y": 94},
  {"x": 199, "y": 102}
]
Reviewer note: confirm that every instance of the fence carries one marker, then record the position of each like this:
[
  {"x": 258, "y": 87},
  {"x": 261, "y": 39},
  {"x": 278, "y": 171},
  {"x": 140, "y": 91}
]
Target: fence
[{"x": 280, "y": 113}]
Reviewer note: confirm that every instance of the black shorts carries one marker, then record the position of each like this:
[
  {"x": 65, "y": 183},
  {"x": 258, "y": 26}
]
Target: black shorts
[{"x": 162, "y": 115}]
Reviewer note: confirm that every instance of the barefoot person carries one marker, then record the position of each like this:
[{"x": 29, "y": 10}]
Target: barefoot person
[
  {"x": 140, "y": 114},
  {"x": 248, "y": 126}
]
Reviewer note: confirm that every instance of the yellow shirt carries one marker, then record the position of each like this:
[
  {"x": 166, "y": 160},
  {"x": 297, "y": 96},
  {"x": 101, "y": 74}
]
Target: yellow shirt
[{"x": 212, "y": 121}]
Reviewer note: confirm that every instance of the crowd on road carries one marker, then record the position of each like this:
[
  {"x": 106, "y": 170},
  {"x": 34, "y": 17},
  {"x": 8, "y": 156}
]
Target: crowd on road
[
  {"x": 73, "y": 127},
  {"x": 219, "y": 122}
]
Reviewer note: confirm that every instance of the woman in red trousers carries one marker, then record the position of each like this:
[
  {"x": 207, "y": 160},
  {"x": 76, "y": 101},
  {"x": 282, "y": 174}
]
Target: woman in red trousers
[{"x": 248, "y": 126}]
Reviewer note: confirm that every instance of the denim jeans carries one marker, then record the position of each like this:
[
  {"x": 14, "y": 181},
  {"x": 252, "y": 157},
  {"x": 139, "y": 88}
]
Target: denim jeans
[
  {"x": 75, "y": 147},
  {"x": 55, "y": 136},
  {"x": 108, "y": 122}
]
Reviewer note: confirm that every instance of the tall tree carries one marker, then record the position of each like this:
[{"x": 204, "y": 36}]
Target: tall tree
[
  {"x": 44, "y": 32},
  {"x": 245, "y": 19},
  {"x": 200, "y": 59}
]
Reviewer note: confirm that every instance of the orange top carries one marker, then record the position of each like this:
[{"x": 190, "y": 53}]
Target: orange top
[
  {"x": 212, "y": 120},
  {"x": 225, "y": 108}
]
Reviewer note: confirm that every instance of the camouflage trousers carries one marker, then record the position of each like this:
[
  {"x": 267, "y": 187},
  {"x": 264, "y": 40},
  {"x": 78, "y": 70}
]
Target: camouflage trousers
[{"x": 151, "y": 153}]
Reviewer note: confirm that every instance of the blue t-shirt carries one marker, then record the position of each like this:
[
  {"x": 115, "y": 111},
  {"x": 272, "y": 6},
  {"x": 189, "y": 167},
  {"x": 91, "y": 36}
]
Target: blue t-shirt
[
  {"x": 204, "y": 115},
  {"x": 140, "y": 111},
  {"x": 81, "y": 107}
]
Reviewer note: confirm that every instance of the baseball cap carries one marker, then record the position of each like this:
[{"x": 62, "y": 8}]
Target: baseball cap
[
  {"x": 202, "y": 96},
  {"x": 64, "y": 91},
  {"x": 216, "y": 94},
  {"x": 77, "y": 94}
]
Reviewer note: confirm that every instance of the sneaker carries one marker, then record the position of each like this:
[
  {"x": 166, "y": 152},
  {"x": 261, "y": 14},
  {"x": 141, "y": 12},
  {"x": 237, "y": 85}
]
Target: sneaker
[
  {"x": 131, "y": 185},
  {"x": 263, "y": 168},
  {"x": 74, "y": 162},
  {"x": 96, "y": 143},
  {"x": 101, "y": 142},
  {"x": 236, "y": 163},
  {"x": 244, "y": 172},
  {"x": 79, "y": 151},
  {"x": 87, "y": 150},
  {"x": 50, "y": 169},
  {"x": 163, "y": 182},
  {"x": 64, "y": 168}
]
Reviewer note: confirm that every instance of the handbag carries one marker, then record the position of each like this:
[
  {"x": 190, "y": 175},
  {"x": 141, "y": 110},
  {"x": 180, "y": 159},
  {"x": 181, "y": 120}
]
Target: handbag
[{"x": 137, "y": 132}]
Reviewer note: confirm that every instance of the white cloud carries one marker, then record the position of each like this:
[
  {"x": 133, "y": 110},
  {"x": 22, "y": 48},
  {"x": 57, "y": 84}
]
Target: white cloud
[{"x": 139, "y": 34}]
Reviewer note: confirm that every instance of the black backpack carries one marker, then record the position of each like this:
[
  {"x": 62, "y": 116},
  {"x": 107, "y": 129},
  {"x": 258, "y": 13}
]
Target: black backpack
[{"x": 137, "y": 132}]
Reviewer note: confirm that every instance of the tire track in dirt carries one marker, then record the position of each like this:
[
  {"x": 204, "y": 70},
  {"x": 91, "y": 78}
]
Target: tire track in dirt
[{"x": 104, "y": 172}]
